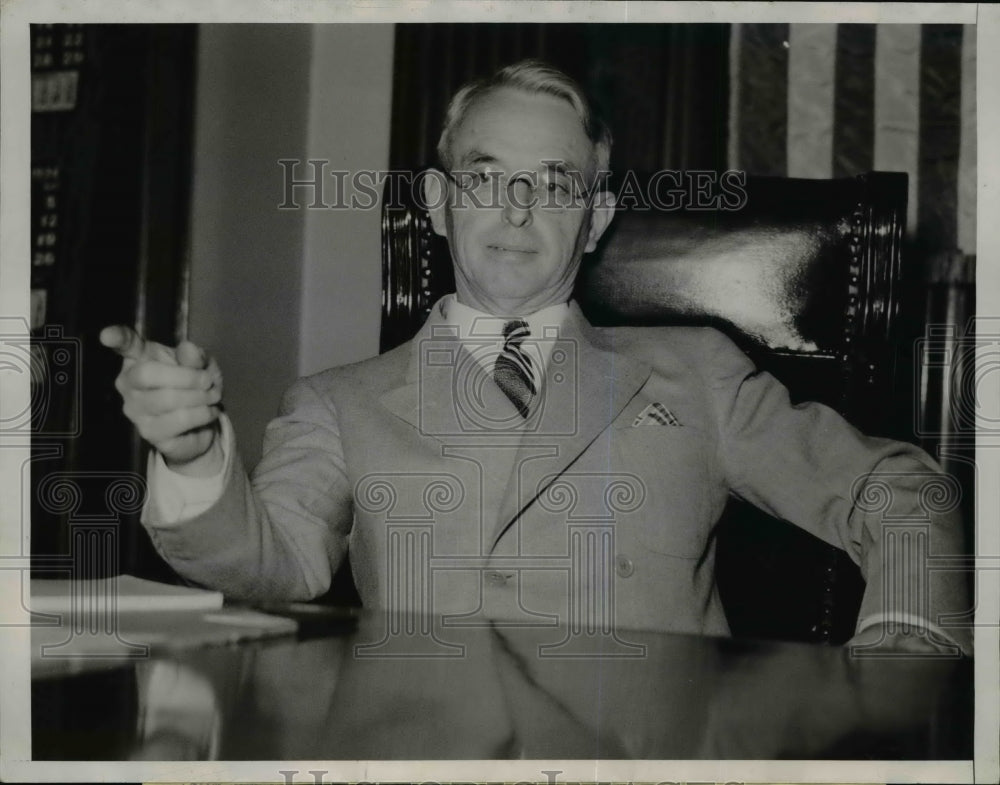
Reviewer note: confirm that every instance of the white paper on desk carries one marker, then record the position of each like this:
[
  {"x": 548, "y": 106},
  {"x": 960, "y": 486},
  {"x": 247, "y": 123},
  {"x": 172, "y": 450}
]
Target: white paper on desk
[{"x": 63, "y": 595}]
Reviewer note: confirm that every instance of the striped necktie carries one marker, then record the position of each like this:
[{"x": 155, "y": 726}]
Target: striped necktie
[{"x": 513, "y": 371}]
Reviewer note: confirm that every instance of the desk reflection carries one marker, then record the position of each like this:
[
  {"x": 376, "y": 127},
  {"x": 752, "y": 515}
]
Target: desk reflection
[{"x": 498, "y": 693}]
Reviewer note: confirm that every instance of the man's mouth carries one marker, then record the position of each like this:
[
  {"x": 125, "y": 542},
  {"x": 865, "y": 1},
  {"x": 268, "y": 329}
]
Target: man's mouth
[{"x": 510, "y": 248}]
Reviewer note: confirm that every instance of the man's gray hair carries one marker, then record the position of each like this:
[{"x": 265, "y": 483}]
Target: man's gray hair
[{"x": 532, "y": 76}]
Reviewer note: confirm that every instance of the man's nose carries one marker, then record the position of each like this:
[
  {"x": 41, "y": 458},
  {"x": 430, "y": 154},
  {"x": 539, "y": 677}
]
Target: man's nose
[{"x": 518, "y": 201}]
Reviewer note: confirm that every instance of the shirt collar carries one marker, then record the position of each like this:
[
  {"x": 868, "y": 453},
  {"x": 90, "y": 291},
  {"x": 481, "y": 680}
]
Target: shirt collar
[
  {"x": 478, "y": 326},
  {"x": 474, "y": 323}
]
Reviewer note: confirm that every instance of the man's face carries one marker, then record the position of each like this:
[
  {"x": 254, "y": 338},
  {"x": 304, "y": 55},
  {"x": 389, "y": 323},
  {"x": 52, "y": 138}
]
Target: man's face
[{"x": 513, "y": 257}]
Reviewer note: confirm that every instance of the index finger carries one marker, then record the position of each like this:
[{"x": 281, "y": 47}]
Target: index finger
[{"x": 123, "y": 340}]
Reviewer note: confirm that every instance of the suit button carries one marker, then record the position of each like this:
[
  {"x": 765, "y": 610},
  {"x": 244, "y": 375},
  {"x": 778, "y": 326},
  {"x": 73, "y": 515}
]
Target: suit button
[{"x": 624, "y": 566}]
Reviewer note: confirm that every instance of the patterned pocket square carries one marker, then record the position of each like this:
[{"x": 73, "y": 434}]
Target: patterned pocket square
[{"x": 655, "y": 414}]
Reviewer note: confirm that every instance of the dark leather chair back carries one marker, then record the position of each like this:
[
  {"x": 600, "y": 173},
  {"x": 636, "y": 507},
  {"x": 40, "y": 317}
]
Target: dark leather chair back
[{"x": 805, "y": 277}]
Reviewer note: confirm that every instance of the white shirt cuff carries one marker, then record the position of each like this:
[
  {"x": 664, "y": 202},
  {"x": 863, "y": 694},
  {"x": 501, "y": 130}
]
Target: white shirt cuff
[
  {"x": 177, "y": 497},
  {"x": 910, "y": 619}
]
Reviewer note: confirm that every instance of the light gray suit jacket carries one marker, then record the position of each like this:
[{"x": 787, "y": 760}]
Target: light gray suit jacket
[{"x": 417, "y": 465}]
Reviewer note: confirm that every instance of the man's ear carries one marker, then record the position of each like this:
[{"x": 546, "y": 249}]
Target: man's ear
[
  {"x": 600, "y": 217},
  {"x": 435, "y": 193}
]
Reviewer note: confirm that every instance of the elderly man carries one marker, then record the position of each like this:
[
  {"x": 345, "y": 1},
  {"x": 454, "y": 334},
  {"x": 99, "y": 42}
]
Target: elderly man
[{"x": 479, "y": 452}]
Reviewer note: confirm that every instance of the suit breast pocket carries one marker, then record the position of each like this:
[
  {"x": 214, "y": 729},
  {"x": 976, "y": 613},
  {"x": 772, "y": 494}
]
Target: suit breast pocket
[{"x": 680, "y": 482}]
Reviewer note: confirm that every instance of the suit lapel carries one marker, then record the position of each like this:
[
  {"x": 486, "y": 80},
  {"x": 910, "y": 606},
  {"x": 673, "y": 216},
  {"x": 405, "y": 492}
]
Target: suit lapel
[
  {"x": 446, "y": 395},
  {"x": 605, "y": 382}
]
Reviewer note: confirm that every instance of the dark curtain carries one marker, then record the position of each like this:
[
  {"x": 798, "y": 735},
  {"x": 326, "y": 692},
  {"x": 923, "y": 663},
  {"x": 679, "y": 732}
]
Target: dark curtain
[{"x": 662, "y": 88}]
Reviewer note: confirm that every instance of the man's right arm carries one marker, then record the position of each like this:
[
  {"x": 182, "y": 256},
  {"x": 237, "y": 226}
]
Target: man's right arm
[{"x": 278, "y": 537}]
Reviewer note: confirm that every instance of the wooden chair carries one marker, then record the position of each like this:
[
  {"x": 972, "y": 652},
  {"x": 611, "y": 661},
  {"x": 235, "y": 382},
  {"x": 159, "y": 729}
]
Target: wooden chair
[{"x": 806, "y": 277}]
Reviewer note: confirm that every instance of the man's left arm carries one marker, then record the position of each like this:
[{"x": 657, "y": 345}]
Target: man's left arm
[{"x": 886, "y": 503}]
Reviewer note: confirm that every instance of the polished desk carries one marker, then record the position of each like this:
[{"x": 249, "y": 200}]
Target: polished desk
[{"x": 347, "y": 690}]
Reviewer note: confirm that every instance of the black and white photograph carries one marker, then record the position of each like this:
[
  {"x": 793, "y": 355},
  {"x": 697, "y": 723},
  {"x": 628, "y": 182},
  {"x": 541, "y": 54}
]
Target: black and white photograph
[{"x": 539, "y": 392}]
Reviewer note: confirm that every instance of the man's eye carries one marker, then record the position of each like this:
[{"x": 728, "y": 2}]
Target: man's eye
[
  {"x": 470, "y": 179},
  {"x": 560, "y": 192}
]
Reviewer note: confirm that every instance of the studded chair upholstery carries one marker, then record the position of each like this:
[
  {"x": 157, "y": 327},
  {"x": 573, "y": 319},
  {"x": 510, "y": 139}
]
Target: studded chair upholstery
[{"x": 806, "y": 277}]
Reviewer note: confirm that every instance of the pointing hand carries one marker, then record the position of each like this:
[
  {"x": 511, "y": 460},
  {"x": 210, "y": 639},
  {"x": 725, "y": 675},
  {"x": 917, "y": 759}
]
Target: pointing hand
[{"x": 173, "y": 396}]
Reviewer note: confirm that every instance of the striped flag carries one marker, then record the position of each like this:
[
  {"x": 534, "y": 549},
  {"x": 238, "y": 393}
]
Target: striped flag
[{"x": 835, "y": 100}]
